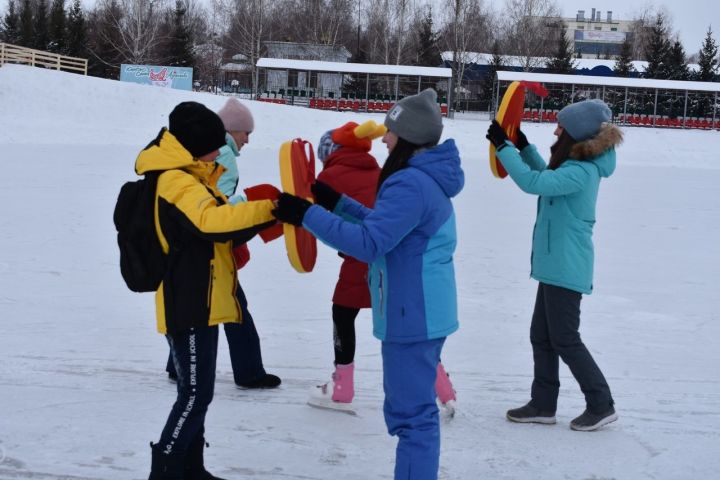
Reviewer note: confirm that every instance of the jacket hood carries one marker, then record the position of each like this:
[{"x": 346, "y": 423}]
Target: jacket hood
[
  {"x": 442, "y": 163},
  {"x": 230, "y": 142},
  {"x": 600, "y": 150},
  {"x": 164, "y": 153},
  {"x": 350, "y": 157}
]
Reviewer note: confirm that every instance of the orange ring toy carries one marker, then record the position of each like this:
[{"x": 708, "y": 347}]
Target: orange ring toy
[
  {"x": 297, "y": 174},
  {"x": 509, "y": 116}
]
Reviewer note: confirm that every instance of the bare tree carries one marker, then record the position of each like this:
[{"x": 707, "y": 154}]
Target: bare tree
[
  {"x": 379, "y": 32},
  {"x": 248, "y": 28},
  {"x": 324, "y": 22},
  {"x": 466, "y": 29},
  {"x": 389, "y": 23},
  {"x": 401, "y": 14},
  {"x": 641, "y": 31},
  {"x": 530, "y": 24},
  {"x": 134, "y": 28}
]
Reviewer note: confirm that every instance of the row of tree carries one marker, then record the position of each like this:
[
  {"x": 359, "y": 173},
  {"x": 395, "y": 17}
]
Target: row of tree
[
  {"x": 61, "y": 31},
  {"x": 408, "y": 32},
  {"x": 114, "y": 32},
  {"x": 666, "y": 57}
]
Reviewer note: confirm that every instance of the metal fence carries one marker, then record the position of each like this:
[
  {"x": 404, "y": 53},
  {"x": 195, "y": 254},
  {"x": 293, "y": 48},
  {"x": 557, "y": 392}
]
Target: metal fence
[{"x": 636, "y": 102}]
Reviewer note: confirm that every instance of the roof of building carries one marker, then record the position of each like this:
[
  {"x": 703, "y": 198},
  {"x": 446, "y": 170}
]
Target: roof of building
[
  {"x": 516, "y": 61},
  {"x": 236, "y": 67},
  {"x": 504, "y": 75},
  {"x": 341, "y": 67},
  {"x": 306, "y": 51}
]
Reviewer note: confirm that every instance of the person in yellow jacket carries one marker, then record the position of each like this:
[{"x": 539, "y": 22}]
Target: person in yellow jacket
[{"x": 197, "y": 228}]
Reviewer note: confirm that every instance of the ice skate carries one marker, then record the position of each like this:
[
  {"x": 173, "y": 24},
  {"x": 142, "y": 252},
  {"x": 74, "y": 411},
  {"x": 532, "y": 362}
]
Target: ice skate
[
  {"x": 446, "y": 397},
  {"x": 338, "y": 393}
]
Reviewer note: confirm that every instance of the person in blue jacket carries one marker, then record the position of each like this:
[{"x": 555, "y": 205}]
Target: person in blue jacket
[
  {"x": 408, "y": 239},
  {"x": 562, "y": 253},
  {"x": 243, "y": 340}
]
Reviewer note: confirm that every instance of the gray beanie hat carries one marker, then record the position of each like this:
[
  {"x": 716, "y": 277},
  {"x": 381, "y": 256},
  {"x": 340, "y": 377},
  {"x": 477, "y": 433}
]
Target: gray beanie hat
[
  {"x": 583, "y": 120},
  {"x": 417, "y": 118}
]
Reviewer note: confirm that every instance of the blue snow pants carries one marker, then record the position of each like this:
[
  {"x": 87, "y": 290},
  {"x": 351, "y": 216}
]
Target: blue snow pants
[{"x": 409, "y": 371}]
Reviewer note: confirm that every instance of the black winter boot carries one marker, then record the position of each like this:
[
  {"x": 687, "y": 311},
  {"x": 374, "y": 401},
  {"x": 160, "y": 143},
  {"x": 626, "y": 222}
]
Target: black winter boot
[
  {"x": 195, "y": 463},
  {"x": 166, "y": 466},
  {"x": 265, "y": 382}
]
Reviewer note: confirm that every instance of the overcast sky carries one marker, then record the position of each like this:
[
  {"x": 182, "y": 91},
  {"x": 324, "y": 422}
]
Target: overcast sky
[{"x": 690, "y": 18}]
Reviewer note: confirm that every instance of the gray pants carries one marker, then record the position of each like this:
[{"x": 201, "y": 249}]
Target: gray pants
[{"x": 554, "y": 334}]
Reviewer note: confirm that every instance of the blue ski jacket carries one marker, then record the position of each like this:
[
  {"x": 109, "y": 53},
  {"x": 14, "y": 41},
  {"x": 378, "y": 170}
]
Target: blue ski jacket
[{"x": 408, "y": 239}]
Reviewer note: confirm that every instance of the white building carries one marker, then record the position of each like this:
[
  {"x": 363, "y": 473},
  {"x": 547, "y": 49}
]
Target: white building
[
  {"x": 301, "y": 80},
  {"x": 595, "y": 35}
]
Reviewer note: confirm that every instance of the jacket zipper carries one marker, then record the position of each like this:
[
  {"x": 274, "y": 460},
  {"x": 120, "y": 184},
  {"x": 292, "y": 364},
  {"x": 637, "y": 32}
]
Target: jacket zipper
[
  {"x": 382, "y": 294},
  {"x": 210, "y": 285},
  {"x": 235, "y": 287}
]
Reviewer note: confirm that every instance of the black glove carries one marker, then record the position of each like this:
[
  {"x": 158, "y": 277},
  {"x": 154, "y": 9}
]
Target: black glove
[
  {"x": 522, "y": 141},
  {"x": 325, "y": 195},
  {"x": 291, "y": 209},
  {"x": 496, "y": 135}
]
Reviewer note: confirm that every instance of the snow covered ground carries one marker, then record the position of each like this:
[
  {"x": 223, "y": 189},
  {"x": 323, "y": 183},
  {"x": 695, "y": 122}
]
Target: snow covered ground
[{"x": 82, "y": 386}]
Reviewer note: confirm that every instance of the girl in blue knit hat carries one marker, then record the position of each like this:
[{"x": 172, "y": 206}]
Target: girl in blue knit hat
[
  {"x": 562, "y": 253},
  {"x": 408, "y": 239}
]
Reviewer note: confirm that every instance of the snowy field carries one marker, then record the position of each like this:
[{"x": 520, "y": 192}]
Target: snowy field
[{"x": 82, "y": 383}]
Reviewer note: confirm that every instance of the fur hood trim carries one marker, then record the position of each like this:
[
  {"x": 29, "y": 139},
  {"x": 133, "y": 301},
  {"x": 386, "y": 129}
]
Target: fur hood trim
[{"x": 608, "y": 137}]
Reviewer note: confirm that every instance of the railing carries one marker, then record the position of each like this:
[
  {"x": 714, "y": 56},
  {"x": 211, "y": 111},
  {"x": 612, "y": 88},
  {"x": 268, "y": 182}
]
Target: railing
[{"x": 38, "y": 58}]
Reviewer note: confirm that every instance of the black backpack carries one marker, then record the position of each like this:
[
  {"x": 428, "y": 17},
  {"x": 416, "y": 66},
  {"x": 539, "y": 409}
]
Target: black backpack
[{"x": 142, "y": 261}]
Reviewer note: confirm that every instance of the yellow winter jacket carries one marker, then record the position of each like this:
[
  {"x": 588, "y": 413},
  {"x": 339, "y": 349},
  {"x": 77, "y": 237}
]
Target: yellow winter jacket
[{"x": 197, "y": 228}]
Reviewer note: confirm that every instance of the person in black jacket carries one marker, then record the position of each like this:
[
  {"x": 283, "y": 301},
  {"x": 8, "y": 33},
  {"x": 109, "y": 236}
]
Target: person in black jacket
[{"x": 197, "y": 230}]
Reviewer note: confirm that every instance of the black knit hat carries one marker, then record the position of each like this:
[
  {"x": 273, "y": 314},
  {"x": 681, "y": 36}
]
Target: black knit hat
[{"x": 197, "y": 128}]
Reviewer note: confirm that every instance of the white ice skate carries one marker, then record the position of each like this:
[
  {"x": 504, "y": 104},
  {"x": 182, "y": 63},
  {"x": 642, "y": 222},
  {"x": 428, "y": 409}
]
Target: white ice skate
[
  {"x": 446, "y": 396},
  {"x": 447, "y": 410},
  {"x": 338, "y": 393}
]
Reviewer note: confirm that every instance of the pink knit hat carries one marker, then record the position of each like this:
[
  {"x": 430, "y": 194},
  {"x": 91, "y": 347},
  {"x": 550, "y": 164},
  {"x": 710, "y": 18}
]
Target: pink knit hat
[{"x": 236, "y": 117}]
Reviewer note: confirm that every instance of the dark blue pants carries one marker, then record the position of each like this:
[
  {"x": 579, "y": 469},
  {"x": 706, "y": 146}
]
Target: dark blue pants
[
  {"x": 244, "y": 345},
  {"x": 409, "y": 371},
  {"x": 194, "y": 355},
  {"x": 554, "y": 334}
]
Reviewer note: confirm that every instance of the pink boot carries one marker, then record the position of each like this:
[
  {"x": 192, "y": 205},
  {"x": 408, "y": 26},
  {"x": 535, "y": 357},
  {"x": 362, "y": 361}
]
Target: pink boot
[
  {"x": 338, "y": 393},
  {"x": 343, "y": 385},
  {"x": 443, "y": 386}
]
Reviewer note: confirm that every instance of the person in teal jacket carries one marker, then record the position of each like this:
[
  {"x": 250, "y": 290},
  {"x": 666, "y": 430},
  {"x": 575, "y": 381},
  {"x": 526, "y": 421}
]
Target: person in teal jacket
[
  {"x": 239, "y": 124},
  {"x": 408, "y": 239},
  {"x": 562, "y": 253}
]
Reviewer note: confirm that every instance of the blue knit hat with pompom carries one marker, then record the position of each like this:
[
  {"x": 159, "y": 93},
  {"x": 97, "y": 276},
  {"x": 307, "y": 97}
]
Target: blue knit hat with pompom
[{"x": 326, "y": 146}]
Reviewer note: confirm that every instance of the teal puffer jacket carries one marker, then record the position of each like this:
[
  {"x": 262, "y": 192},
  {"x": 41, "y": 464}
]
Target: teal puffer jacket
[
  {"x": 228, "y": 153},
  {"x": 562, "y": 249}
]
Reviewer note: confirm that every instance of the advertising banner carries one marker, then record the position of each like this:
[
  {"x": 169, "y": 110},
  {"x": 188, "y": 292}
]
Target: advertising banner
[
  {"x": 179, "y": 78},
  {"x": 599, "y": 36}
]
